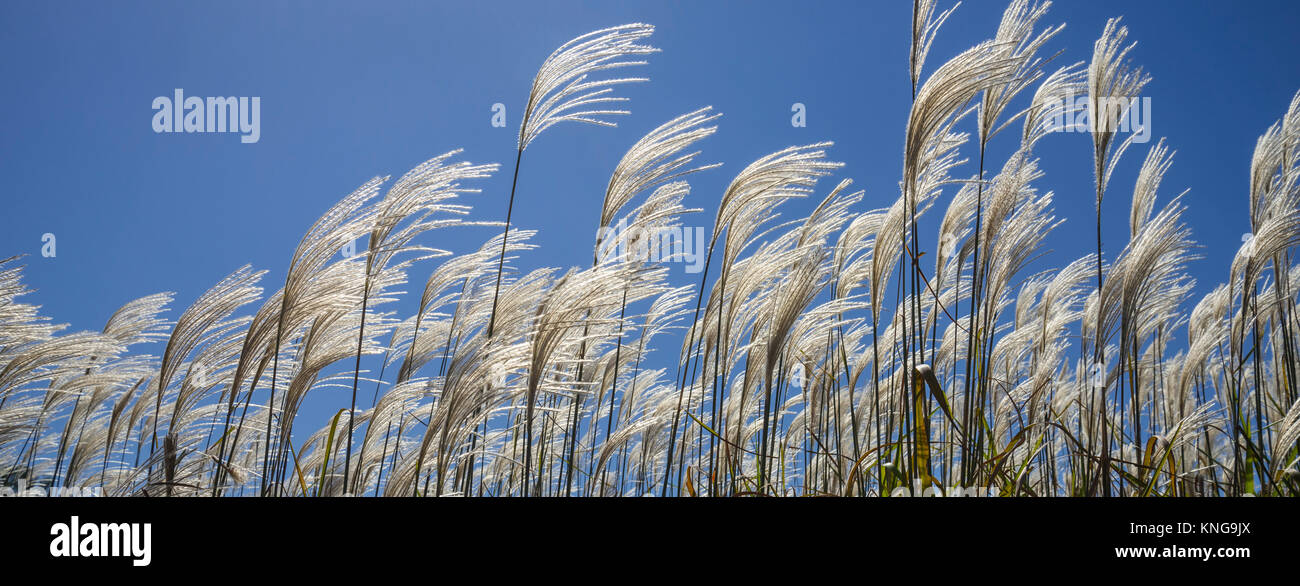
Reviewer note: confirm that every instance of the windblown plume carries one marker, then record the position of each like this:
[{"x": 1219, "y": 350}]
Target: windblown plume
[
  {"x": 1112, "y": 85},
  {"x": 561, "y": 91}
]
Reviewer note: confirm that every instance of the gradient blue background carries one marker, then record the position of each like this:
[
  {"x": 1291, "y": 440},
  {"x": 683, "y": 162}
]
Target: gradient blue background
[{"x": 350, "y": 91}]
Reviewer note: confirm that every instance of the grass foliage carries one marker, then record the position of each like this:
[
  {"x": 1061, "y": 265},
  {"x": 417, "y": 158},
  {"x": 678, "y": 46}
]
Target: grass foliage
[{"x": 841, "y": 353}]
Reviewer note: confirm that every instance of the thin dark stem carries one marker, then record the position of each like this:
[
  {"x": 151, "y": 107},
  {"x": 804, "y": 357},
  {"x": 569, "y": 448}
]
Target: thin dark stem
[
  {"x": 505, "y": 237},
  {"x": 356, "y": 376}
]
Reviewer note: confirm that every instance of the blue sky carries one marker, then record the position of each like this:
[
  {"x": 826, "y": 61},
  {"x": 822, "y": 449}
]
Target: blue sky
[{"x": 350, "y": 91}]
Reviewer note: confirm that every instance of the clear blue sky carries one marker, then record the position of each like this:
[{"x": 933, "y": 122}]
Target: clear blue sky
[{"x": 350, "y": 91}]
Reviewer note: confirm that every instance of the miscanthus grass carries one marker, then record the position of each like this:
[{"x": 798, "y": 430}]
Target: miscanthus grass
[{"x": 839, "y": 353}]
